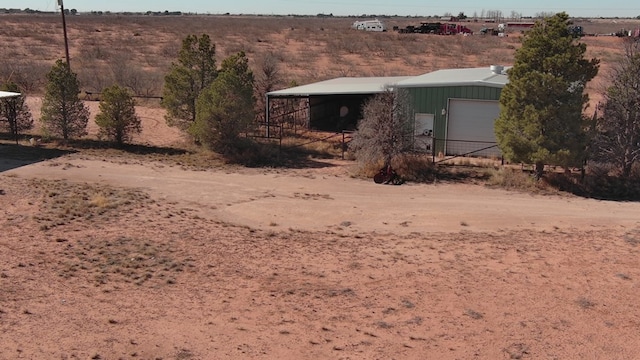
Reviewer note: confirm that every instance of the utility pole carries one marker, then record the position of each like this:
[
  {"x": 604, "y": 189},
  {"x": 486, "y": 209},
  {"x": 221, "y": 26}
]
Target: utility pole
[{"x": 64, "y": 28}]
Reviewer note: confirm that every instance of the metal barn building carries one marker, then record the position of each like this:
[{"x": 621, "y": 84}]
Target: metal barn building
[{"x": 458, "y": 106}]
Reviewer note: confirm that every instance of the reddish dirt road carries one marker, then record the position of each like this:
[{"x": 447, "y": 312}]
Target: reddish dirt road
[{"x": 307, "y": 264}]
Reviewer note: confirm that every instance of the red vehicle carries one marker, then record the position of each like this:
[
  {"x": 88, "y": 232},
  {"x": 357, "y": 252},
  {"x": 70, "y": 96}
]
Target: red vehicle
[
  {"x": 461, "y": 29},
  {"x": 454, "y": 29}
]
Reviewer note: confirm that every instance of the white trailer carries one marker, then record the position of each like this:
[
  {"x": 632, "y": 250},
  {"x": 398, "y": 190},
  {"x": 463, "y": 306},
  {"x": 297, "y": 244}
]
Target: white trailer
[{"x": 369, "y": 25}]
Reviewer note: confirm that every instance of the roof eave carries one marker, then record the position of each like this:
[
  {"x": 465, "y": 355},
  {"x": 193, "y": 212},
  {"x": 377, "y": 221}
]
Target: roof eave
[
  {"x": 8, "y": 94},
  {"x": 275, "y": 94},
  {"x": 452, "y": 84}
]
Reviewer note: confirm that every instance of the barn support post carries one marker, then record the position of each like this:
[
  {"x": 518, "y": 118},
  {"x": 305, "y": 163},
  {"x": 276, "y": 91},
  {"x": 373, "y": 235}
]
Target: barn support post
[
  {"x": 266, "y": 115},
  {"x": 295, "y": 127},
  {"x": 433, "y": 150},
  {"x": 446, "y": 126},
  {"x": 437, "y": 115},
  {"x": 280, "y": 140},
  {"x": 12, "y": 116}
]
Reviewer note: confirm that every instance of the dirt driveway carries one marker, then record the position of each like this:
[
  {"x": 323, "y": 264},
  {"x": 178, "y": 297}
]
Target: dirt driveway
[
  {"x": 326, "y": 198},
  {"x": 306, "y": 264}
]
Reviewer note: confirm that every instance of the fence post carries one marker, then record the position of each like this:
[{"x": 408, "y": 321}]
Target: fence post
[
  {"x": 342, "y": 145},
  {"x": 280, "y": 141},
  {"x": 433, "y": 150}
]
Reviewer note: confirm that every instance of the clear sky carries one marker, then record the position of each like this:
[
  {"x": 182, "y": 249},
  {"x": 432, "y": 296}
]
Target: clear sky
[{"x": 575, "y": 8}]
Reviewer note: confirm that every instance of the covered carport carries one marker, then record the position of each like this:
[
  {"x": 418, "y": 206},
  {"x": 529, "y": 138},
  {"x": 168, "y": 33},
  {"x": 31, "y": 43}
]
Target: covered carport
[
  {"x": 7, "y": 102},
  {"x": 331, "y": 105}
]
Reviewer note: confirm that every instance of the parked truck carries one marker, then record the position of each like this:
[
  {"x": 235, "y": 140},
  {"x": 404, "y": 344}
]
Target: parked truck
[
  {"x": 434, "y": 28},
  {"x": 499, "y": 31}
]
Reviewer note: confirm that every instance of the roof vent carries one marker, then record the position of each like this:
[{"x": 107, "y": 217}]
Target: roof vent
[{"x": 497, "y": 69}]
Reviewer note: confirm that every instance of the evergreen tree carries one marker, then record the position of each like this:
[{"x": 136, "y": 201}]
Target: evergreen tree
[
  {"x": 226, "y": 108},
  {"x": 14, "y": 113},
  {"x": 194, "y": 71},
  {"x": 63, "y": 113},
  {"x": 541, "y": 119},
  {"x": 238, "y": 65},
  {"x": 117, "y": 118}
]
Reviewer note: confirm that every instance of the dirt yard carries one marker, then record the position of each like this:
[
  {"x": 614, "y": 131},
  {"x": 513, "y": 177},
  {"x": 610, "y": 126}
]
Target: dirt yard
[
  {"x": 117, "y": 259},
  {"x": 122, "y": 258}
]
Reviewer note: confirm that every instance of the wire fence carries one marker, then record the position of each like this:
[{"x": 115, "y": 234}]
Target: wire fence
[
  {"x": 441, "y": 150},
  {"x": 447, "y": 149}
]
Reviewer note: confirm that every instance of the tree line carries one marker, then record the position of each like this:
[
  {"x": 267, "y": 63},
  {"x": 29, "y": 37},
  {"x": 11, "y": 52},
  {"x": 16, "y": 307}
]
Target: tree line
[{"x": 213, "y": 105}]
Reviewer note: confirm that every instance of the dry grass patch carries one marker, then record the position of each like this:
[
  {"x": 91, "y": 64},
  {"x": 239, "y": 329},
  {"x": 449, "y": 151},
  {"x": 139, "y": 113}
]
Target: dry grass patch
[
  {"x": 60, "y": 203},
  {"x": 99, "y": 200},
  {"x": 123, "y": 259},
  {"x": 516, "y": 179},
  {"x": 313, "y": 48},
  {"x": 315, "y": 143}
]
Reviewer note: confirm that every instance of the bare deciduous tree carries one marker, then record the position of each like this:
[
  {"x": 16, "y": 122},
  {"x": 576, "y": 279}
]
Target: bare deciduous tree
[
  {"x": 617, "y": 136},
  {"x": 268, "y": 79},
  {"x": 385, "y": 130}
]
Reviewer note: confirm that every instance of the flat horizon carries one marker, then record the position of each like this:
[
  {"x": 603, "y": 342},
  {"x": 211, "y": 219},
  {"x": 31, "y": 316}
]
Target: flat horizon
[
  {"x": 346, "y": 8},
  {"x": 193, "y": 13}
]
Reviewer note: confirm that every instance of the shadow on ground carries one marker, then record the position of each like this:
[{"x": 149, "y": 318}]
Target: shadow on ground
[
  {"x": 138, "y": 149},
  {"x": 14, "y": 156},
  {"x": 17, "y": 155}
]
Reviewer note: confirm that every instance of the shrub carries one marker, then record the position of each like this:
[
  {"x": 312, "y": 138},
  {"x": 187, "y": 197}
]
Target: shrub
[
  {"x": 226, "y": 108},
  {"x": 515, "y": 179},
  {"x": 117, "y": 118},
  {"x": 415, "y": 167}
]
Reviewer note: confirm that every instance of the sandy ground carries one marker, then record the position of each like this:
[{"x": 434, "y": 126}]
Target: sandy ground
[
  {"x": 114, "y": 259},
  {"x": 306, "y": 264},
  {"x": 106, "y": 258}
]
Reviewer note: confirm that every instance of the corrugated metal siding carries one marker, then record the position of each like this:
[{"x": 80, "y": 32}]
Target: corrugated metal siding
[{"x": 431, "y": 100}]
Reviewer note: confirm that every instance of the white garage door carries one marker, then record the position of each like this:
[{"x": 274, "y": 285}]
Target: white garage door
[{"x": 470, "y": 127}]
